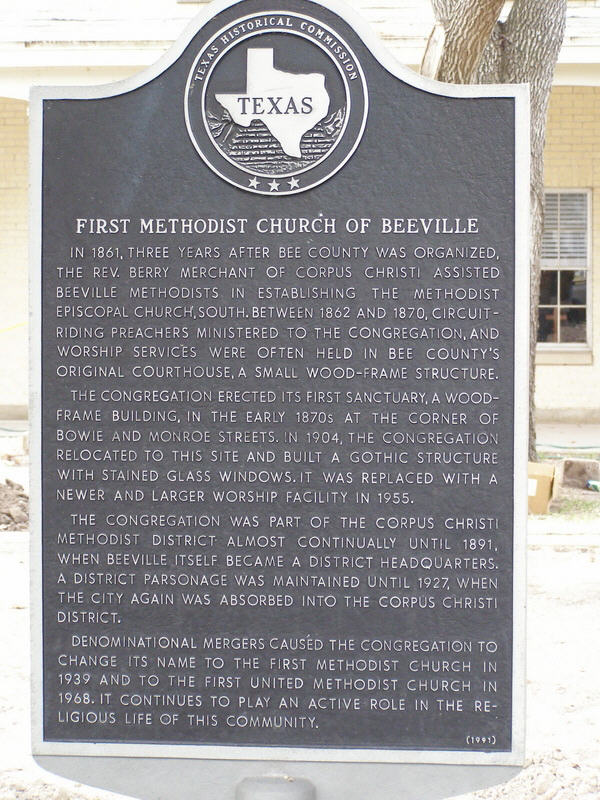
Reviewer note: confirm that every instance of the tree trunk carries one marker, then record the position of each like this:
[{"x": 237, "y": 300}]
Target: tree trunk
[
  {"x": 467, "y": 27},
  {"x": 523, "y": 49}
]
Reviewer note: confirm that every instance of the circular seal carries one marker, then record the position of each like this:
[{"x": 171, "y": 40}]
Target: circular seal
[{"x": 276, "y": 103}]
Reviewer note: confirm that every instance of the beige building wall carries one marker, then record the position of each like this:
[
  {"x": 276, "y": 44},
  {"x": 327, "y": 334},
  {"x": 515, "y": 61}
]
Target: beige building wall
[
  {"x": 566, "y": 389},
  {"x": 13, "y": 257}
]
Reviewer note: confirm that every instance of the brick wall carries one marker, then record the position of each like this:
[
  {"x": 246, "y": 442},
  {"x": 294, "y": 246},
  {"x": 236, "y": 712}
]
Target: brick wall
[
  {"x": 572, "y": 161},
  {"x": 13, "y": 253}
]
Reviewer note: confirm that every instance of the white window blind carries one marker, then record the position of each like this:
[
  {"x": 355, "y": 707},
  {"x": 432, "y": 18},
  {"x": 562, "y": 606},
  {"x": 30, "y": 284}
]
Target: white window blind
[{"x": 565, "y": 235}]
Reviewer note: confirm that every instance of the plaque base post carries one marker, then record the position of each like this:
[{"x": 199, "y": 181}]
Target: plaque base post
[{"x": 275, "y": 787}]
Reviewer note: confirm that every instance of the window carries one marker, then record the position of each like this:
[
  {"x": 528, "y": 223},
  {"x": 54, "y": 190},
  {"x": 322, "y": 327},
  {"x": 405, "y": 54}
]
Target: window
[{"x": 564, "y": 290}]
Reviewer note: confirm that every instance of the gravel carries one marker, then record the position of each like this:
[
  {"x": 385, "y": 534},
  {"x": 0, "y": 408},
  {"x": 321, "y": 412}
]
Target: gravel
[{"x": 14, "y": 507}]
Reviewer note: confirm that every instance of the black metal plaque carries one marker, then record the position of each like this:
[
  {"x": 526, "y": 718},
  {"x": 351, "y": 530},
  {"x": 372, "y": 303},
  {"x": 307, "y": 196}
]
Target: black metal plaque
[{"x": 278, "y": 401}]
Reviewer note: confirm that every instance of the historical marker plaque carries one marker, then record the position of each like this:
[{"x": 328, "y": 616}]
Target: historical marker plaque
[{"x": 280, "y": 286}]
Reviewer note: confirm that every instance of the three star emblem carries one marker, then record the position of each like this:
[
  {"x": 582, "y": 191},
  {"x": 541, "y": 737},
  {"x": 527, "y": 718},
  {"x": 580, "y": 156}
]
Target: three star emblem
[{"x": 274, "y": 185}]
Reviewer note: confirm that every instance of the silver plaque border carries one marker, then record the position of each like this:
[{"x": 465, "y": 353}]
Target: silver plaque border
[{"x": 274, "y": 756}]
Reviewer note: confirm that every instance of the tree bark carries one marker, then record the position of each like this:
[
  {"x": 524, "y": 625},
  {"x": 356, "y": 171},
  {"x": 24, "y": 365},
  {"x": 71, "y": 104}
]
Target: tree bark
[
  {"x": 443, "y": 10},
  {"x": 458, "y": 38},
  {"x": 467, "y": 31},
  {"x": 523, "y": 49}
]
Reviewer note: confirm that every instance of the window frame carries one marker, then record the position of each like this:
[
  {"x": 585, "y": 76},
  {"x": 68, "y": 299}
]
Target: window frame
[{"x": 571, "y": 352}]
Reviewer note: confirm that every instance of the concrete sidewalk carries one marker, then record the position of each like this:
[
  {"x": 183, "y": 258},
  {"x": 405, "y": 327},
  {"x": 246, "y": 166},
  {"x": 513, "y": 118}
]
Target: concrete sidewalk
[
  {"x": 558, "y": 530},
  {"x": 560, "y": 436}
]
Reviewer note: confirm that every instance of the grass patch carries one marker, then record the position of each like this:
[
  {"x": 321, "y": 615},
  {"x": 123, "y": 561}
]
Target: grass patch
[
  {"x": 557, "y": 455},
  {"x": 577, "y": 507}
]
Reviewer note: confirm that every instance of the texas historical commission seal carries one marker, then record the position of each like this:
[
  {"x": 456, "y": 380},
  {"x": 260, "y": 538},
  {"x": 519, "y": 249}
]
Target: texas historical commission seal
[{"x": 276, "y": 103}]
